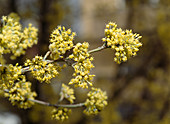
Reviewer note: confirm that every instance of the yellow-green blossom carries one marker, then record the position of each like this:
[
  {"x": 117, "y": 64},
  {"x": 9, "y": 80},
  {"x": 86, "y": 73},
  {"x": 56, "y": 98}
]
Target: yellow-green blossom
[
  {"x": 20, "y": 93},
  {"x": 8, "y": 74},
  {"x": 96, "y": 101},
  {"x": 13, "y": 39},
  {"x": 15, "y": 86},
  {"x": 80, "y": 52},
  {"x": 125, "y": 43},
  {"x": 67, "y": 93},
  {"x": 30, "y": 36},
  {"x": 82, "y": 66},
  {"x": 42, "y": 70},
  {"x": 61, "y": 41},
  {"x": 61, "y": 113}
]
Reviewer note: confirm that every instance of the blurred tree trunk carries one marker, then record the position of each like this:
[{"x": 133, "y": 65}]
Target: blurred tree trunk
[
  {"x": 44, "y": 26},
  {"x": 130, "y": 16},
  {"x": 12, "y": 6}
]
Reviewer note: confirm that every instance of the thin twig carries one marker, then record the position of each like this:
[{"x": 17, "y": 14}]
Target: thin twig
[
  {"x": 98, "y": 49},
  {"x": 46, "y": 55},
  {"x": 61, "y": 98},
  {"x": 26, "y": 69},
  {"x": 61, "y": 94}
]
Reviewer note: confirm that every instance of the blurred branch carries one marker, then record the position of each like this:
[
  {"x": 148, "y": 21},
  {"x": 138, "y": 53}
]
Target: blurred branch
[
  {"x": 61, "y": 96},
  {"x": 165, "y": 108},
  {"x": 13, "y": 6}
]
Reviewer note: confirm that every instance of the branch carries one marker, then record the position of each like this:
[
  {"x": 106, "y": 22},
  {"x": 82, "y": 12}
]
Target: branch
[
  {"x": 46, "y": 55},
  {"x": 53, "y": 105},
  {"x": 98, "y": 49},
  {"x": 56, "y": 105}
]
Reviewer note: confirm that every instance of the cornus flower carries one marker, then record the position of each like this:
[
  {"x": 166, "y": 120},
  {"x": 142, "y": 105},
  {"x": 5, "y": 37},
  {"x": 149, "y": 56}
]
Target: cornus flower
[
  {"x": 8, "y": 75},
  {"x": 125, "y": 43},
  {"x": 96, "y": 101},
  {"x": 61, "y": 113},
  {"x": 16, "y": 88},
  {"x": 15, "y": 40},
  {"x": 67, "y": 93},
  {"x": 42, "y": 70},
  {"x": 82, "y": 66},
  {"x": 61, "y": 41},
  {"x": 20, "y": 93}
]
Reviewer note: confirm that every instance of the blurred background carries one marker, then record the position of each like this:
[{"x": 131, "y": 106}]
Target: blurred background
[{"x": 138, "y": 90}]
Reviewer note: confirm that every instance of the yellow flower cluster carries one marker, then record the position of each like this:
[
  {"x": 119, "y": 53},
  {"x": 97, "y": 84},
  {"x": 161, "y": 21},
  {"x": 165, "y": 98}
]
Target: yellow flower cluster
[
  {"x": 13, "y": 39},
  {"x": 96, "y": 101},
  {"x": 14, "y": 86},
  {"x": 29, "y": 36},
  {"x": 20, "y": 93},
  {"x": 42, "y": 70},
  {"x": 61, "y": 41},
  {"x": 125, "y": 43},
  {"x": 67, "y": 93},
  {"x": 8, "y": 75},
  {"x": 82, "y": 66},
  {"x": 61, "y": 113}
]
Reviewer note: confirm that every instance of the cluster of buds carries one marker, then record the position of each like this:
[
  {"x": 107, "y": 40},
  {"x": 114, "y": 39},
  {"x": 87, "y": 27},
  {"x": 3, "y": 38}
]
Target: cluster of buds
[
  {"x": 67, "y": 93},
  {"x": 15, "y": 40},
  {"x": 41, "y": 69},
  {"x": 96, "y": 101},
  {"x": 61, "y": 41},
  {"x": 20, "y": 94},
  {"x": 82, "y": 66},
  {"x": 125, "y": 43},
  {"x": 61, "y": 113},
  {"x": 8, "y": 75}
]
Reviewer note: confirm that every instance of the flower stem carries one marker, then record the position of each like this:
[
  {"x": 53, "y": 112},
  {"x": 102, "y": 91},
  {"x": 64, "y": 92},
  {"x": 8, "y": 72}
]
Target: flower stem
[
  {"x": 46, "y": 55},
  {"x": 98, "y": 49}
]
